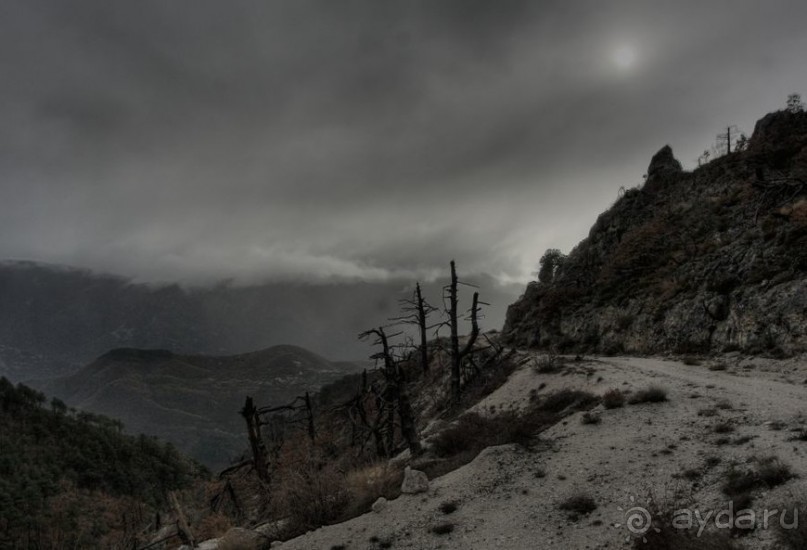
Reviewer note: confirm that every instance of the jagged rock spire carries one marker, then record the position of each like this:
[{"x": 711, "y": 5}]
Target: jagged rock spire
[{"x": 663, "y": 163}]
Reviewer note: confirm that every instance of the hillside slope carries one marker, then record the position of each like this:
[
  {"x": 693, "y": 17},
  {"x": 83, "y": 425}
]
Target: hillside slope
[
  {"x": 709, "y": 260},
  {"x": 71, "y": 480},
  {"x": 193, "y": 400},
  {"x": 679, "y": 453}
]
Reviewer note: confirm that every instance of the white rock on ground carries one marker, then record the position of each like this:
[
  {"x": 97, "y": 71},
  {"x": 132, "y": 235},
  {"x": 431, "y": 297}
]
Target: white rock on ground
[
  {"x": 379, "y": 505},
  {"x": 414, "y": 482}
]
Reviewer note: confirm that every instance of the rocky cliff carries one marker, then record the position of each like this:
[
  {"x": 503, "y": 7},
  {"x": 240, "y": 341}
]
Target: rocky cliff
[{"x": 708, "y": 260}]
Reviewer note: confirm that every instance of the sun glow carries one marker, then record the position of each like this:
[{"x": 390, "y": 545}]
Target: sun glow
[{"x": 624, "y": 57}]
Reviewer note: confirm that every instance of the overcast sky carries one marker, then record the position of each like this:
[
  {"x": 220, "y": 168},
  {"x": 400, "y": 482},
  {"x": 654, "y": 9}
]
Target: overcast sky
[{"x": 194, "y": 140}]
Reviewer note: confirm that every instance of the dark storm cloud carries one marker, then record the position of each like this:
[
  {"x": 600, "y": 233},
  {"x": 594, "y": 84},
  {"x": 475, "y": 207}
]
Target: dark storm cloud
[{"x": 196, "y": 140}]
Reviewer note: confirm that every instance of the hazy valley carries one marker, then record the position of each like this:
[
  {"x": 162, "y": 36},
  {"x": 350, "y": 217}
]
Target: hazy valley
[{"x": 193, "y": 401}]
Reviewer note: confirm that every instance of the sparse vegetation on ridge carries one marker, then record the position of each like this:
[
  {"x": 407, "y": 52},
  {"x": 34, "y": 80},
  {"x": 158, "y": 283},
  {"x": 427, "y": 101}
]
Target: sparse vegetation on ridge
[{"x": 652, "y": 274}]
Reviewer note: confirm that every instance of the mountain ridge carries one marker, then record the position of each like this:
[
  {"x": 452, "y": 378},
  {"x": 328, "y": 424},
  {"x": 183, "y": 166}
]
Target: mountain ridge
[
  {"x": 192, "y": 400},
  {"x": 57, "y": 319},
  {"x": 708, "y": 260}
]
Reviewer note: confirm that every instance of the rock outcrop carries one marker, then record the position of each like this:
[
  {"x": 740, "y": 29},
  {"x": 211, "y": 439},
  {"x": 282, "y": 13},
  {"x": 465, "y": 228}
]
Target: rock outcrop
[
  {"x": 709, "y": 260},
  {"x": 664, "y": 163}
]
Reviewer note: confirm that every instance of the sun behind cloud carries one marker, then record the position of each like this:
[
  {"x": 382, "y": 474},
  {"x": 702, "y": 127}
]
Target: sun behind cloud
[{"x": 624, "y": 57}]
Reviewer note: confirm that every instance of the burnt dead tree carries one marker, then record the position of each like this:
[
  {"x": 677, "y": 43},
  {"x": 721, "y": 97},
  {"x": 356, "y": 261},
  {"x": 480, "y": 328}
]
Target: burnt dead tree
[
  {"x": 458, "y": 355},
  {"x": 726, "y": 139},
  {"x": 365, "y": 411},
  {"x": 309, "y": 410},
  {"x": 252, "y": 418},
  {"x": 278, "y": 418},
  {"x": 416, "y": 312},
  {"x": 394, "y": 393},
  {"x": 256, "y": 418}
]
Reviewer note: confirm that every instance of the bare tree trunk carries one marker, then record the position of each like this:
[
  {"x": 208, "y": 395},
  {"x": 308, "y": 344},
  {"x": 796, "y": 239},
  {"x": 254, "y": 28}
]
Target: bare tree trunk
[
  {"x": 728, "y": 140},
  {"x": 389, "y": 393},
  {"x": 421, "y": 314},
  {"x": 183, "y": 529},
  {"x": 469, "y": 346},
  {"x": 455, "y": 339},
  {"x": 408, "y": 427},
  {"x": 389, "y": 415},
  {"x": 457, "y": 355},
  {"x": 250, "y": 414},
  {"x": 378, "y": 435},
  {"x": 396, "y": 392},
  {"x": 310, "y": 412}
]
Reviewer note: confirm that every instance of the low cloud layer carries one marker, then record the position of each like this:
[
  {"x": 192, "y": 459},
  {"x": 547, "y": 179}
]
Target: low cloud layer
[{"x": 200, "y": 140}]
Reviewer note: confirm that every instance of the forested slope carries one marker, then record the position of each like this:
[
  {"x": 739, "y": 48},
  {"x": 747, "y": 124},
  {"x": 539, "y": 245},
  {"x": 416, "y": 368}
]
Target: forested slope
[{"x": 72, "y": 480}]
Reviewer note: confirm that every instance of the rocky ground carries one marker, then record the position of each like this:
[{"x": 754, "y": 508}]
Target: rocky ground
[{"x": 509, "y": 497}]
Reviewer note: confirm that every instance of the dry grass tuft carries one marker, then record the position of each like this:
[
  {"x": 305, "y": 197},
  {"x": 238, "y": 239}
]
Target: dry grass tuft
[
  {"x": 311, "y": 497},
  {"x": 577, "y": 505},
  {"x": 567, "y": 399},
  {"x": 652, "y": 394},
  {"x": 367, "y": 484},
  {"x": 613, "y": 399},
  {"x": 442, "y": 528},
  {"x": 590, "y": 418}
]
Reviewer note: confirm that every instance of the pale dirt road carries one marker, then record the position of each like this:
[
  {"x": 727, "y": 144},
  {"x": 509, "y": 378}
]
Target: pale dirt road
[{"x": 636, "y": 451}]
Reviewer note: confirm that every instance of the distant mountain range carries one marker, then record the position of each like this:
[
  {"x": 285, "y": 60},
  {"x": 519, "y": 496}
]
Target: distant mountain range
[
  {"x": 54, "y": 320},
  {"x": 193, "y": 401}
]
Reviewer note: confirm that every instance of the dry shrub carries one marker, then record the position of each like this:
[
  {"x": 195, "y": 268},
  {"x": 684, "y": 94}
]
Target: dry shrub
[
  {"x": 565, "y": 399},
  {"x": 590, "y": 418},
  {"x": 578, "y": 505},
  {"x": 212, "y": 526},
  {"x": 768, "y": 472},
  {"x": 671, "y": 538},
  {"x": 448, "y": 507},
  {"x": 440, "y": 467},
  {"x": 723, "y": 428},
  {"x": 665, "y": 532},
  {"x": 472, "y": 432},
  {"x": 486, "y": 382},
  {"x": 652, "y": 394},
  {"x": 548, "y": 364},
  {"x": 613, "y": 399},
  {"x": 366, "y": 484},
  {"x": 442, "y": 528},
  {"x": 312, "y": 495}
]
